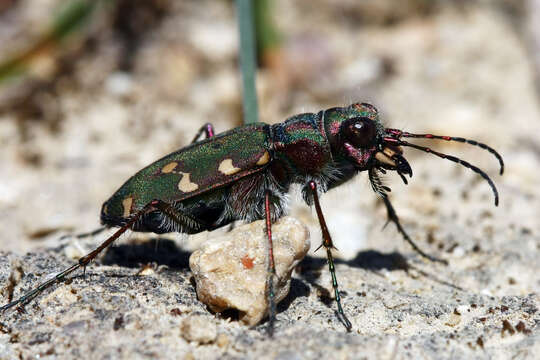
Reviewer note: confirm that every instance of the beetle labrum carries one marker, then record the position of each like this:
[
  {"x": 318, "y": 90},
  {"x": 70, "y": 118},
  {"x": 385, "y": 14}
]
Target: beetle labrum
[{"x": 245, "y": 174}]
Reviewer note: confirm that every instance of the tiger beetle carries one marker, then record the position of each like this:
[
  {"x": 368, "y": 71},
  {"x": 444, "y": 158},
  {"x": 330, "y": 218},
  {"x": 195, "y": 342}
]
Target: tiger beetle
[{"x": 245, "y": 174}]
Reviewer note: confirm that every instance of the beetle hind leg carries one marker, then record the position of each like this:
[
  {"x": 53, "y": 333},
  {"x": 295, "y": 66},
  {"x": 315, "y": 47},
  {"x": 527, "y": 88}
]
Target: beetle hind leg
[
  {"x": 22, "y": 301},
  {"x": 167, "y": 209}
]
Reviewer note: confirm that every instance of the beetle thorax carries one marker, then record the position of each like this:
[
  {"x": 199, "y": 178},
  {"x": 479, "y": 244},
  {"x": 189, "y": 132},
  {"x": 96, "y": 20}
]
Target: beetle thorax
[{"x": 301, "y": 147}]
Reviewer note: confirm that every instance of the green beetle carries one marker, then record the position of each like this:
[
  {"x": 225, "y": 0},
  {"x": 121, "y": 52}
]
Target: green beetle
[{"x": 246, "y": 173}]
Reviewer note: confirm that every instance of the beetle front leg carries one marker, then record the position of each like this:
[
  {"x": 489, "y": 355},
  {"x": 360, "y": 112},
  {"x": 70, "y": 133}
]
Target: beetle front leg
[
  {"x": 328, "y": 244},
  {"x": 392, "y": 216},
  {"x": 271, "y": 264},
  {"x": 207, "y": 129},
  {"x": 382, "y": 190}
]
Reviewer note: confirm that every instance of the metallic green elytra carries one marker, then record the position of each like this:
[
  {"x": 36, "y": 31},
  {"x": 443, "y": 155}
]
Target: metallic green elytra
[
  {"x": 246, "y": 174},
  {"x": 193, "y": 170}
]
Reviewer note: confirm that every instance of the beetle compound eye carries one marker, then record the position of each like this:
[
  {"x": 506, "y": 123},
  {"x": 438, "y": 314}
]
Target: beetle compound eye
[{"x": 360, "y": 132}]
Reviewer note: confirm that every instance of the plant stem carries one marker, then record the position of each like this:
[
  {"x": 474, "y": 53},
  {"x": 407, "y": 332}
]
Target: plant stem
[{"x": 247, "y": 59}]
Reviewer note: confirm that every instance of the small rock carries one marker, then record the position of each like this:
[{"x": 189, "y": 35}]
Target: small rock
[
  {"x": 199, "y": 328},
  {"x": 231, "y": 271}
]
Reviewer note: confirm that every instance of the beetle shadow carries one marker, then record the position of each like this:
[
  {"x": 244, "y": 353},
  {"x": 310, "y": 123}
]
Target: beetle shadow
[
  {"x": 160, "y": 251},
  {"x": 310, "y": 268},
  {"x": 166, "y": 252},
  {"x": 374, "y": 261},
  {"x": 371, "y": 260},
  {"x": 298, "y": 289}
]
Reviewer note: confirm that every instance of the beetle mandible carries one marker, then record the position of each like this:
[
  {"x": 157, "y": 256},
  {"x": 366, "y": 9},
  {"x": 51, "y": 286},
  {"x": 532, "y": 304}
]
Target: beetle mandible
[{"x": 246, "y": 173}]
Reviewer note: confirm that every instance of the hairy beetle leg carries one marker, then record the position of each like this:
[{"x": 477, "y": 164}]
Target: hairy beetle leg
[
  {"x": 328, "y": 244},
  {"x": 179, "y": 217}
]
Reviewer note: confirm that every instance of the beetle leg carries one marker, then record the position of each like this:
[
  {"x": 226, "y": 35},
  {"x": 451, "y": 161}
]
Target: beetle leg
[
  {"x": 328, "y": 244},
  {"x": 271, "y": 264},
  {"x": 207, "y": 129},
  {"x": 392, "y": 216},
  {"x": 84, "y": 235},
  {"x": 90, "y": 233},
  {"x": 82, "y": 263},
  {"x": 179, "y": 217},
  {"x": 382, "y": 190}
]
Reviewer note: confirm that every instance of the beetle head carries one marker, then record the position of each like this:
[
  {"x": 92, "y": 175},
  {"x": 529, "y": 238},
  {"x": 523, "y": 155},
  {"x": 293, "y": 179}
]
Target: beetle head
[{"x": 357, "y": 136}]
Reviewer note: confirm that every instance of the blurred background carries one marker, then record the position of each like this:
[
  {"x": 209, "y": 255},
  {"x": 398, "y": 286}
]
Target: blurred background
[{"x": 92, "y": 91}]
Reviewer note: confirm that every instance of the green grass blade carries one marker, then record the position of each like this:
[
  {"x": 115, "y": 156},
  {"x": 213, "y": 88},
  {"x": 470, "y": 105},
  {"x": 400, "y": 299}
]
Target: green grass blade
[{"x": 247, "y": 59}]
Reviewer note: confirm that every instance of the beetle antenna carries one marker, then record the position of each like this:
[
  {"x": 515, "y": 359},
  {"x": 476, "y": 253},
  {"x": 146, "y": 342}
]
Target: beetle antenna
[
  {"x": 451, "y": 158},
  {"x": 400, "y": 133}
]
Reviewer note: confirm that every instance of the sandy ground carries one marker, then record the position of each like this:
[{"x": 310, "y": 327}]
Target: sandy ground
[{"x": 89, "y": 121}]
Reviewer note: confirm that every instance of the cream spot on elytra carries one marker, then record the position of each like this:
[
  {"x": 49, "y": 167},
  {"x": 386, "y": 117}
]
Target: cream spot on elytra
[
  {"x": 169, "y": 167},
  {"x": 264, "y": 158},
  {"x": 126, "y": 203},
  {"x": 226, "y": 167},
  {"x": 185, "y": 183}
]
